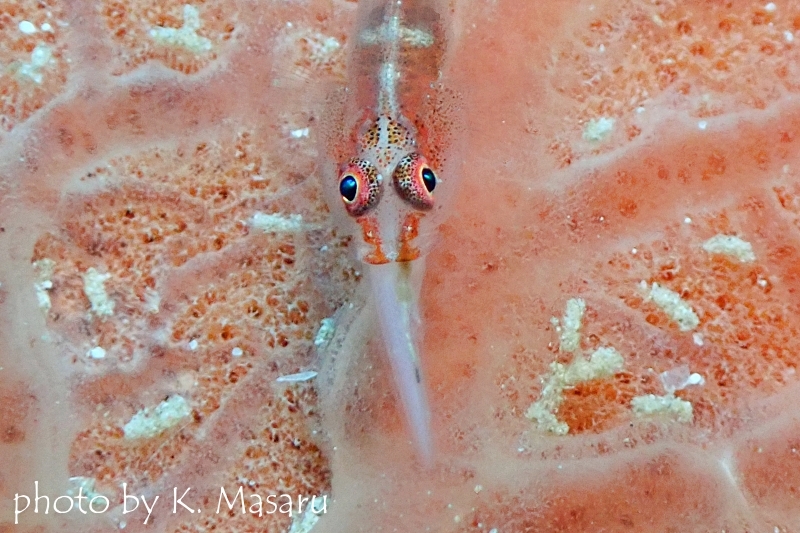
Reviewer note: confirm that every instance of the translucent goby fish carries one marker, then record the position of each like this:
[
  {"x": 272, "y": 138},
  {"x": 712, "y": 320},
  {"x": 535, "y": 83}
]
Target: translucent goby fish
[{"x": 391, "y": 172}]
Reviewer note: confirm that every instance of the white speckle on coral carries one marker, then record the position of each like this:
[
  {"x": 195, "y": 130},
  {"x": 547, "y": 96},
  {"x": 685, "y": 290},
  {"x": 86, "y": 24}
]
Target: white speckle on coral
[
  {"x": 305, "y": 522},
  {"x": 300, "y": 376},
  {"x": 651, "y": 405},
  {"x": 698, "y": 339},
  {"x": 45, "y": 269},
  {"x": 82, "y": 485},
  {"x": 95, "y": 291},
  {"x": 149, "y": 423},
  {"x": 672, "y": 380},
  {"x": 96, "y": 353},
  {"x": 310, "y": 50},
  {"x": 702, "y": 124},
  {"x": 325, "y": 332},
  {"x": 40, "y": 57},
  {"x": 695, "y": 379},
  {"x": 27, "y": 27},
  {"x": 675, "y": 308},
  {"x": 603, "y": 363},
  {"x": 788, "y": 36},
  {"x": 186, "y": 36},
  {"x": 770, "y": 8},
  {"x": 687, "y": 220},
  {"x": 237, "y": 352},
  {"x": 323, "y": 47},
  {"x": 571, "y": 325},
  {"x": 732, "y": 246},
  {"x": 193, "y": 344},
  {"x": 299, "y": 134},
  {"x": 152, "y": 301},
  {"x": 273, "y": 222},
  {"x": 47, "y": 27},
  {"x": 598, "y": 129},
  {"x": 41, "y": 294}
]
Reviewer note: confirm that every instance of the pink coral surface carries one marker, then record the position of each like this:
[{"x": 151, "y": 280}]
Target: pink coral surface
[{"x": 163, "y": 242}]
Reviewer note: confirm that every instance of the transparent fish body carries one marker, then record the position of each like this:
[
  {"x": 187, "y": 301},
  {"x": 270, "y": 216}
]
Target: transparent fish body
[{"x": 390, "y": 172}]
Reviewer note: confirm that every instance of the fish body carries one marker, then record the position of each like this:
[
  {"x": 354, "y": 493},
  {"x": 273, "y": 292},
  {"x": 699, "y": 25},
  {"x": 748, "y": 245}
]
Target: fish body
[{"x": 387, "y": 137}]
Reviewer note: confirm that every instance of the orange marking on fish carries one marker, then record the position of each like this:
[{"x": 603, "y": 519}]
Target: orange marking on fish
[
  {"x": 409, "y": 232},
  {"x": 369, "y": 227}
]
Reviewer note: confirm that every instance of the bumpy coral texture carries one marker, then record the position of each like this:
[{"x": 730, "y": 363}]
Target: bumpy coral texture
[
  {"x": 180, "y": 264},
  {"x": 164, "y": 243}
]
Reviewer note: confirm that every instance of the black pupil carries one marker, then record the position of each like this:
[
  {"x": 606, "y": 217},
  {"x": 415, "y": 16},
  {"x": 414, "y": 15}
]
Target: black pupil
[
  {"x": 348, "y": 188},
  {"x": 429, "y": 179}
]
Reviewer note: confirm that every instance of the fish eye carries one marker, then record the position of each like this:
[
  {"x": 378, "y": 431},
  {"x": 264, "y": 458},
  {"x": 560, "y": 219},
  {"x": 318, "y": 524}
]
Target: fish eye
[
  {"x": 415, "y": 181},
  {"x": 429, "y": 179},
  {"x": 348, "y": 188},
  {"x": 359, "y": 186}
]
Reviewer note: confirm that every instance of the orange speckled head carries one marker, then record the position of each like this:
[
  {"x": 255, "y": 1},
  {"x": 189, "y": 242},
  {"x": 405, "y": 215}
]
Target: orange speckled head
[
  {"x": 389, "y": 214},
  {"x": 391, "y": 173}
]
